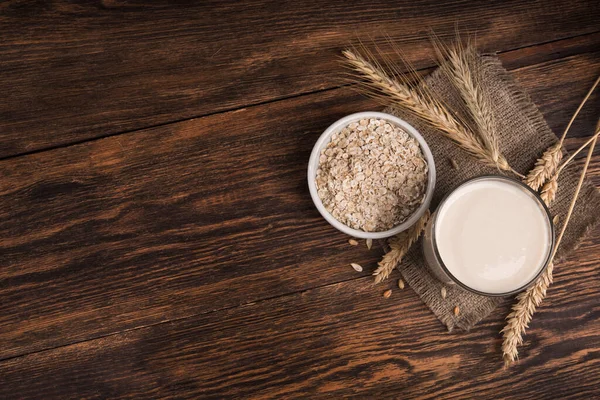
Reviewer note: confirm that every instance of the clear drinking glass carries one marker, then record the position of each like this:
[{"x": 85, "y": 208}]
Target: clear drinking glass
[{"x": 430, "y": 239}]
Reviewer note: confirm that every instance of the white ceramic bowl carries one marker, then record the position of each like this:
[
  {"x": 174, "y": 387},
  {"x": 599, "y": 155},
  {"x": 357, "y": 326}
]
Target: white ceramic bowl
[{"x": 313, "y": 165}]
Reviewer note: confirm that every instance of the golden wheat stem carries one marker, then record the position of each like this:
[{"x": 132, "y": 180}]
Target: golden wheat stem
[
  {"x": 517, "y": 173},
  {"x": 529, "y": 300},
  {"x": 399, "y": 246},
  {"x": 548, "y": 193},
  {"x": 576, "y": 194},
  {"x": 587, "y": 96},
  {"x": 583, "y": 146},
  {"x": 546, "y": 166}
]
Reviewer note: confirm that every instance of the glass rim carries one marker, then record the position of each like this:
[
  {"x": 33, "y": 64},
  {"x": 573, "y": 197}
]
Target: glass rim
[{"x": 535, "y": 195}]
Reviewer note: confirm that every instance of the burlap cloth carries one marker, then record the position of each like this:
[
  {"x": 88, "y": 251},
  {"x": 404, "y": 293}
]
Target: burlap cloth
[{"x": 523, "y": 136}]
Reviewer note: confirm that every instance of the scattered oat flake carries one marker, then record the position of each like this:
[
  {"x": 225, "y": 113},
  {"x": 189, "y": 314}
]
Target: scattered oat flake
[
  {"x": 369, "y": 243},
  {"x": 443, "y": 292},
  {"x": 556, "y": 219},
  {"x": 357, "y": 267},
  {"x": 400, "y": 283},
  {"x": 387, "y": 293},
  {"x": 353, "y": 242},
  {"x": 456, "y": 310},
  {"x": 453, "y": 163}
]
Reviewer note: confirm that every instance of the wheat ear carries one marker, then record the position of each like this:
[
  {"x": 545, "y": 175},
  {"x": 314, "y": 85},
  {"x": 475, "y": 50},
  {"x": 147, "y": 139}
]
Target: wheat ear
[
  {"x": 548, "y": 193},
  {"x": 546, "y": 166},
  {"x": 521, "y": 314},
  {"x": 529, "y": 300},
  {"x": 399, "y": 246},
  {"x": 458, "y": 68},
  {"x": 380, "y": 84}
]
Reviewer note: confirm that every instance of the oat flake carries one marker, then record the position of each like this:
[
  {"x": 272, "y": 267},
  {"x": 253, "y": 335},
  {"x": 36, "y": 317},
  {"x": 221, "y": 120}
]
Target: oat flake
[{"x": 372, "y": 175}]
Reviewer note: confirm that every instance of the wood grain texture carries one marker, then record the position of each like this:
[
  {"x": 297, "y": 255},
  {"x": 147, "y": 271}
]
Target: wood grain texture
[
  {"x": 540, "y": 82},
  {"x": 78, "y": 70},
  {"x": 341, "y": 340},
  {"x": 180, "y": 220}
]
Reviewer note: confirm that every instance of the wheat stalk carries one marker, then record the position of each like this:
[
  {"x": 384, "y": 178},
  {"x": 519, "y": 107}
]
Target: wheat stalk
[
  {"x": 546, "y": 166},
  {"x": 553, "y": 156},
  {"x": 583, "y": 146},
  {"x": 529, "y": 300},
  {"x": 578, "y": 189},
  {"x": 399, "y": 246},
  {"x": 380, "y": 84}
]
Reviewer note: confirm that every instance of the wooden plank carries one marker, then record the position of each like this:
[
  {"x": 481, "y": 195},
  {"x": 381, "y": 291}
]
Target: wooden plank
[
  {"x": 540, "y": 82},
  {"x": 550, "y": 51},
  {"x": 174, "y": 221},
  {"x": 342, "y": 340},
  {"x": 74, "y": 71}
]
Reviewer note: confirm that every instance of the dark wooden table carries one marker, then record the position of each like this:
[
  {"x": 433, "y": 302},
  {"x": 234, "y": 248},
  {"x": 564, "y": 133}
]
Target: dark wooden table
[{"x": 157, "y": 238}]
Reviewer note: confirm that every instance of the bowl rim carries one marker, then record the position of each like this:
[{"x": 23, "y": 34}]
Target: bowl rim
[{"x": 313, "y": 165}]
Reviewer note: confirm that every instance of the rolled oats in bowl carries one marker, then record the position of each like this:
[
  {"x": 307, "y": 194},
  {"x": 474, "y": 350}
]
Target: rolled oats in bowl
[{"x": 372, "y": 175}]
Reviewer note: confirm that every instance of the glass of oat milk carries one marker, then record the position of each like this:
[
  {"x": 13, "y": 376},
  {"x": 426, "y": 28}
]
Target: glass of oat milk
[{"x": 492, "y": 235}]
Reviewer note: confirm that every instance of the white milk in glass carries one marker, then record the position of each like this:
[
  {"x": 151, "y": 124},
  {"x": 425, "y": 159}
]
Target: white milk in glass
[{"x": 491, "y": 234}]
